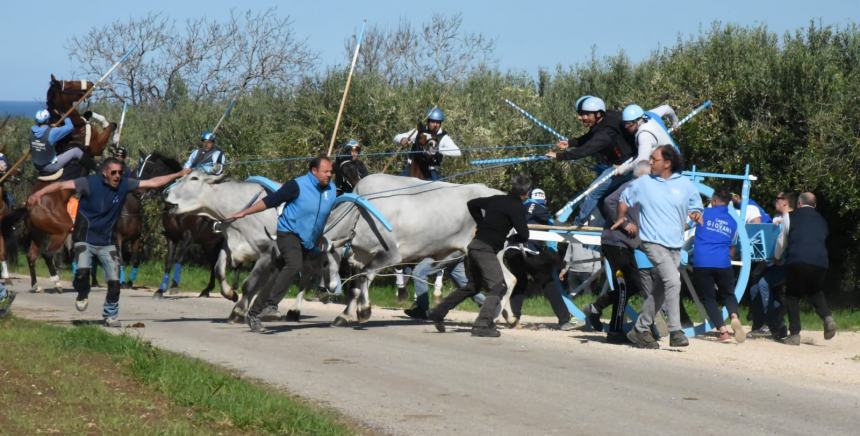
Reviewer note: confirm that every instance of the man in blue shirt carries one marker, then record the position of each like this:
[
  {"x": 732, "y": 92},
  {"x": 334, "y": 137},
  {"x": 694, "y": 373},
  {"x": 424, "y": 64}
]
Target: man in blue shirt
[
  {"x": 712, "y": 264},
  {"x": 308, "y": 201},
  {"x": 101, "y": 200},
  {"x": 665, "y": 200},
  {"x": 44, "y": 138},
  {"x": 208, "y": 158}
]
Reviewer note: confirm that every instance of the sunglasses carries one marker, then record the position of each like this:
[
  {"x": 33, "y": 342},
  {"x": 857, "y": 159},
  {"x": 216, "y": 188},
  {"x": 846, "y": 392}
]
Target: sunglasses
[{"x": 115, "y": 172}]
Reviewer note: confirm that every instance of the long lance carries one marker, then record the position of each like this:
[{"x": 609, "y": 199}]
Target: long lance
[
  {"x": 121, "y": 123},
  {"x": 508, "y": 160},
  {"x": 225, "y": 114},
  {"x": 346, "y": 88},
  {"x": 535, "y": 120},
  {"x": 564, "y": 213},
  {"x": 74, "y": 107},
  {"x": 98, "y": 82}
]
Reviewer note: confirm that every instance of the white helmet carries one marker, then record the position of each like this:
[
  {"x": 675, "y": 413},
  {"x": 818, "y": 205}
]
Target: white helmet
[
  {"x": 42, "y": 116},
  {"x": 592, "y": 104},
  {"x": 538, "y": 194}
]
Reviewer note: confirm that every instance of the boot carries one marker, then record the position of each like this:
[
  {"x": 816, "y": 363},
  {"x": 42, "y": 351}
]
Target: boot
[{"x": 420, "y": 308}]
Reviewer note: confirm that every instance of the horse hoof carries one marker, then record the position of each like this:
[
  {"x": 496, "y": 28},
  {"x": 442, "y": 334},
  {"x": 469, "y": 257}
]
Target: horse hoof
[
  {"x": 159, "y": 294},
  {"x": 235, "y": 319},
  {"x": 203, "y": 294},
  {"x": 36, "y": 289},
  {"x": 364, "y": 314},
  {"x": 401, "y": 294},
  {"x": 340, "y": 322},
  {"x": 293, "y": 315}
]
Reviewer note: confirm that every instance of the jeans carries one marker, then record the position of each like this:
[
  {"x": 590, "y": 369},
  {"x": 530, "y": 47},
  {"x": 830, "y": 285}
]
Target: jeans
[
  {"x": 661, "y": 284},
  {"x": 593, "y": 199},
  {"x": 764, "y": 303},
  {"x": 109, "y": 259},
  {"x": 428, "y": 267}
]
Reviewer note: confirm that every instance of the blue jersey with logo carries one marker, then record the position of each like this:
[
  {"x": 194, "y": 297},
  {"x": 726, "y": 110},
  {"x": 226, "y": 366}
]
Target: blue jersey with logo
[
  {"x": 99, "y": 208},
  {"x": 714, "y": 238}
]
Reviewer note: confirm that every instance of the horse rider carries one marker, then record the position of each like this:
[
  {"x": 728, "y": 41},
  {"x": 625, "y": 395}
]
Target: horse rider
[
  {"x": 306, "y": 196},
  {"x": 606, "y": 141},
  {"x": 4, "y": 167},
  {"x": 348, "y": 156},
  {"x": 43, "y": 140},
  {"x": 101, "y": 200},
  {"x": 495, "y": 216},
  {"x": 440, "y": 144},
  {"x": 541, "y": 261},
  {"x": 207, "y": 158},
  {"x": 649, "y": 131}
]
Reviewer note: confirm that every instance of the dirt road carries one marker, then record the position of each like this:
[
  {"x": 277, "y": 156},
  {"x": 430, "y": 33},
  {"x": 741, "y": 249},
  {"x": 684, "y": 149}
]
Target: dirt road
[{"x": 401, "y": 377}]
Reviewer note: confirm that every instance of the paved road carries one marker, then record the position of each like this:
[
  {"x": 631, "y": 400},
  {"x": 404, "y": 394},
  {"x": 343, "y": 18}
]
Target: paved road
[{"x": 401, "y": 377}]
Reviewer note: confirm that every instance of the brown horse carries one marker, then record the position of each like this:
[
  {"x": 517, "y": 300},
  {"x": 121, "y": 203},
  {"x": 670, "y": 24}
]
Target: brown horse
[
  {"x": 128, "y": 229},
  {"x": 48, "y": 223},
  {"x": 423, "y": 154}
]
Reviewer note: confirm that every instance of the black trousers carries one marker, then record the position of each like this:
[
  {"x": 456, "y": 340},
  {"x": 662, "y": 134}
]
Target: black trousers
[
  {"x": 543, "y": 269},
  {"x": 713, "y": 284},
  {"x": 289, "y": 264},
  {"x": 803, "y": 280},
  {"x": 620, "y": 259},
  {"x": 483, "y": 272}
]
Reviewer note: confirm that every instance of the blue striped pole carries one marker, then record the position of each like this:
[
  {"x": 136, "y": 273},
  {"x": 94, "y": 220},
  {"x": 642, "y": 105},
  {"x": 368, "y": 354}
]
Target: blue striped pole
[
  {"x": 538, "y": 122},
  {"x": 508, "y": 160},
  {"x": 563, "y": 214}
]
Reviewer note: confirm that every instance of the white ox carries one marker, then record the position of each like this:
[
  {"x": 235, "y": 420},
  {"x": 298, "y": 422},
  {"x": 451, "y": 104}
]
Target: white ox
[
  {"x": 245, "y": 239},
  {"x": 430, "y": 219}
]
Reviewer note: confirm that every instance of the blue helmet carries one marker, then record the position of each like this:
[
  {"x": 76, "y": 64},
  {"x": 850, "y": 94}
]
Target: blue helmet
[
  {"x": 207, "y": 136},
  {"x": 352, "y": 143},
  {"x": 591, "y": 104},
  {"x": 436, "y": 114},
  {"x": 42, "y": 116},
  {"x": 632, "y": 113}
]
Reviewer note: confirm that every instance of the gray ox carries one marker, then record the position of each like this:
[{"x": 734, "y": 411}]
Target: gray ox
[
  {"x": 245, "y": 240},
  {"x": 430, "y": 219}
]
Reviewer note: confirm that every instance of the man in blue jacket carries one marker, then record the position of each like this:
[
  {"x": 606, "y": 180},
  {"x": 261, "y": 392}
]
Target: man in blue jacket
[
  {"x": 44, "y": 138},
  {"x": 308, "y": 201}
]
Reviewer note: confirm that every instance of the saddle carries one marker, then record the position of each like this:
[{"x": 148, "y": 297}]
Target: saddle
[{"x": 50, "y": 177}]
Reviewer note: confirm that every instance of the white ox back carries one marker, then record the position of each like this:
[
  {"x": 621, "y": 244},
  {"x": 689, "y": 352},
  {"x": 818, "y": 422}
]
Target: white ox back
[{"x": 430, "y": 219}]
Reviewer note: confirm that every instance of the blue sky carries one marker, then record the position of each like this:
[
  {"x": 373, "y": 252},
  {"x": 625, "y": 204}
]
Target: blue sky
[{"x": 528, "y": 34}]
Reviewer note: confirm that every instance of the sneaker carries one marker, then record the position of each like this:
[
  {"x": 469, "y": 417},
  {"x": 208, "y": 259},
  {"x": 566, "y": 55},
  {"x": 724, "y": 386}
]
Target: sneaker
[
  {"x": 780, "y": 334},
  {"x": 763, "y": 332},
  {"x": 617, "y": 338},
  {"x": 112, "y": 322},
  {"x": 255, "y": 323},
  {"x": 829, "y": 328},
  {"x": 485, "y": 332},
  {"x": 792, "y": 339},
  {"x": 270, "y": 313},
  {"x": 416, "y": 312},
  {"x": 593, "y": 317},
  {"x": 642, "y": 339},
  {"x": 738, "y": 330},
  {"x": 568, "y": 326},
  {"x": 678, "y": 339},
  {"x": 81, "y": 305},
  {"x": 724, "y": 336}
]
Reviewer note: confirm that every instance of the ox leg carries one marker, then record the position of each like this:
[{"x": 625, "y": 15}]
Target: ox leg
[
  {"x": 295, "y": 312},
  {"x": 260, "y": 274},
  {"x": 345, "y": 317},
  {"x": 363, "y": 309},
  {"x": 227, "y": 291},
  {"x": 437, "y": 288},
  {"x": 400, "y": 280}
]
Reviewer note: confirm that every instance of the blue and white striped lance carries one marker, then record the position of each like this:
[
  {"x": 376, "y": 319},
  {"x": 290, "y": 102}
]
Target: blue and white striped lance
[
  {"x": 533, "y": 119},
  {"x": 508, "y": 160}
]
